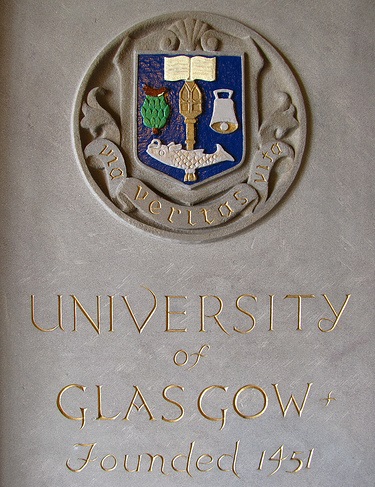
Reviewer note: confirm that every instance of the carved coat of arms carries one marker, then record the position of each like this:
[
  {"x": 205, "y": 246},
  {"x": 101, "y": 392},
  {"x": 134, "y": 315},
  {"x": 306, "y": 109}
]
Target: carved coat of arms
[{"x": 191, "y": 127}]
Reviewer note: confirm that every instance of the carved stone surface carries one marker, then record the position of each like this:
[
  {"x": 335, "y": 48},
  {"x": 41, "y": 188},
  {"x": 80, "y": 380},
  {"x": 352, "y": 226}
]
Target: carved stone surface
[
  {"x": 273, "y": 126},
  {"x": 65, "y": 239}
]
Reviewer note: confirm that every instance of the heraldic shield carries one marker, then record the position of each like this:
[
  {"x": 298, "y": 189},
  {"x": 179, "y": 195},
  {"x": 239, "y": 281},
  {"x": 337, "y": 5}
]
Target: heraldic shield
[
  {"x": 190, "y": 114},
  {"x": 190, "y": 126}
]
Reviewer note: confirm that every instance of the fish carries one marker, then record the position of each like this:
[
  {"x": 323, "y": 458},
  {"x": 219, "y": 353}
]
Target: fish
[{"x": 188, "y": 160}]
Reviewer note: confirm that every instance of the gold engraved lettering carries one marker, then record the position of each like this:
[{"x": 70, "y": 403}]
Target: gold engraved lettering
[
  {"x": 76, "y": 303},
  {"x": 262, "y": 180},
  {"x": 328, "y": 399},
  {"x": 240, "y": 391},
  {"x": 59, "y": 298},
  {"x": 173, "y": 386},
  {"x": 266, "y": 155},
  {"x": 298, "y": 460},
  {"x": 185, "y": 360},
  {"x": 225, "y": 205},
  {"x": 155, "y": 207},
  {"x": 185, "y": 357},
  {"x": 114, "y": 175},
  {"x": 140, "y": 328},
  {"x": 246, "y": 313},
  {"x": 138, "y": 464},
  {"x": 337, "y": 314},
  {"x": 173, "y": 211},
  {"x": 299, "y": 297},
  {"x": 206, "y": 219},
  {"x": 279, "y": 459},
  {"x": 81, "y": 418},
  {"x": 271, "y": 311},
  {"x": 243, "y": 200},
  {"x": 100, "y": 414},
  {"x": 108, "y": 469},
  {"x": 214, "y": 316},
  {"x": 223, "y": 411},
  {"x": 199, "y": 460},
  {"x": 308, "y": 464},
  {"x": 188, "y": 457},
  {"x": 115, "y": 159},
  {"x": 234, "y": 458},
  {"x": 138, "y": 195},
  {"x": 168, "y": 313},
  {"x": 152, "y": 459},
  {"x": 59, "y": 312},
  {"x": 189, "y": 219},
  {"x": 86, "y": 460},
  {"x": 107, "y": 154},
  {"x": 111, "y": 313},
  {"x": 198, "y": 355},
  {"x": 276, "y": 147},
  {"x": 299, "y": 409},
  {"x": 138, "y": 408},
  {"x": 261, "y": 461}
]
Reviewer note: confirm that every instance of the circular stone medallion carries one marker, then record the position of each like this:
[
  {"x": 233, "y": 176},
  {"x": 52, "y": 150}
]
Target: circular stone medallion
[{"x": 190, "y": 126}]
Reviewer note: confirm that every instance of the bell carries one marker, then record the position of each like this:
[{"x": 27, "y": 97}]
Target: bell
[{"x": 223, "y": 118}]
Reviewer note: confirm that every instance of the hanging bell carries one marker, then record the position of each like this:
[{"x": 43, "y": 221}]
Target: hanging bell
[{"x": 223, "y": 118}]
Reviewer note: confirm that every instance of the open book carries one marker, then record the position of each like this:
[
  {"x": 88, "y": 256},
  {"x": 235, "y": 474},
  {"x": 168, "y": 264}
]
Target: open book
[{"x": 189, "y": 68}]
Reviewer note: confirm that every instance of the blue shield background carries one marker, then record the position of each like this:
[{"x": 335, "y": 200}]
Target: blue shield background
[{"x": 229, "y": 75}]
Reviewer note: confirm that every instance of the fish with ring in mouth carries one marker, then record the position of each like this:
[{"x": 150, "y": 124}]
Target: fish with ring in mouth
[{"x": 188, "y": 160}]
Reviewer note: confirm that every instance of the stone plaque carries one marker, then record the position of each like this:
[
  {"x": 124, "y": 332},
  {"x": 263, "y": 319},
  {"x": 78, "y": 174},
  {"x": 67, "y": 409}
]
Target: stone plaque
[{"x": 187, "y": 259}]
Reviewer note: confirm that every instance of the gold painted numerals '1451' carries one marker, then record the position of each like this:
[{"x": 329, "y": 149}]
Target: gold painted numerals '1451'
[{"x": 278, "y": 457}]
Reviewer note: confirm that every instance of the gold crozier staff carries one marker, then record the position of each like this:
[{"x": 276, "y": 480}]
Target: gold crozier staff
[{"x": 190, "y": 109}]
